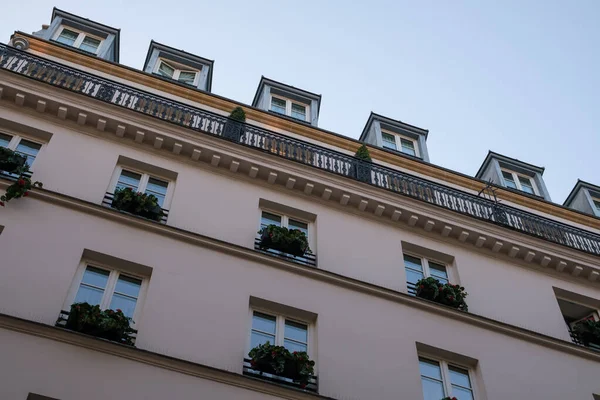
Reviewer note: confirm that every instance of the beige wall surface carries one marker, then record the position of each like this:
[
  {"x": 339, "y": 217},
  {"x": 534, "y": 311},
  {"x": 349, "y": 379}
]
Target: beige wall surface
[{"x": 196, "y": 308}]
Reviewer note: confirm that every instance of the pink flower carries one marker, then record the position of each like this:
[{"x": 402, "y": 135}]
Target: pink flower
[
  {"x": 21, "y": 182},
  {"x": 25, "y": 194},
  {"x": 2, "y": 203}
]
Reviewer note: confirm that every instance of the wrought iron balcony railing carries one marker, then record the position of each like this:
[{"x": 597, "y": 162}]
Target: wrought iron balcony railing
[
  {"x": 312, "y": 385},
  {"x": 307, "y": 259},
  {"x": 64, "y": 316},
  {"x": 108, "y": 199},
  {"x": 205, "y": 122}
]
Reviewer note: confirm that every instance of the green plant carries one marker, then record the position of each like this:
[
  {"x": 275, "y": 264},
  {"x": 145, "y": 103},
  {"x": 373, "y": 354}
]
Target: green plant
[
  {"x": 12, "y": 162},
  {"x": 291, "y": 241},
  {"x": 238, "y": 114},
  {"x": 138, "y": 203},
  {"x": 278, "y": 360},
  {"x": 107, "y": 324},
  {"x": 19, "y": 189},
  {"x": 587, "y": 332},
  {"x": 443, "y": 293},
  {"x": 363, "y": 153},
  {"x": 449, "y": 398}
]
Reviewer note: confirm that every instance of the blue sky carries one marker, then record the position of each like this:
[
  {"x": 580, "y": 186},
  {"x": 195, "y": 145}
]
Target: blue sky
[{"x": 521, "y": 78}]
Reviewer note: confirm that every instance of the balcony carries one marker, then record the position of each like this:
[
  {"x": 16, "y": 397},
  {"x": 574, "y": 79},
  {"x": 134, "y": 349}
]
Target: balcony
[
  {"x": 208, "y": 123},
  {"x": 107, "y": 202},
  {"x": 312, "y": 385},
  {"x": 308, "y": 258}
]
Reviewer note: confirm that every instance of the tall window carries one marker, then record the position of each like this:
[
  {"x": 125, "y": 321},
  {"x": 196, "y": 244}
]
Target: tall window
[
  {"x": 80, "y": 40},
  {"x": 291, "y": 108},
  {"x": 176, "y": 72},
  {"x": 517, "y": 181},
  {"x": 441, "y": 379},
  {"x": 419, "y": 268},
  {"x": 109, "y": 289},
  {"x": 278, "y": 330},
  {"x": 22, "y": 146},
  {"x": 400, "y": 143},
  {"x": 145, "y": 183}
]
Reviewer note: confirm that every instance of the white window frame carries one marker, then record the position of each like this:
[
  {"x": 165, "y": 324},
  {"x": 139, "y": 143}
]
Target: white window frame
[
  {"x": 145, "y": 177},
  {"x": 280, "y": 330},
  {"x": 594, "y": 201},
  {"x": 285, "y": 219},
  {"x": 109, "y": 290},
  {"x": 444, "y": 368},
  {"x": 515, "y": 176},
  {"x": 16, "y": 139},
  {"x": 288, "y": 106},
  {"x": 425, "y": 264},
  {"x": 398, "y": 138},
  {"x": 80, "y": 38},
  {"x": 178, "y": 69}
]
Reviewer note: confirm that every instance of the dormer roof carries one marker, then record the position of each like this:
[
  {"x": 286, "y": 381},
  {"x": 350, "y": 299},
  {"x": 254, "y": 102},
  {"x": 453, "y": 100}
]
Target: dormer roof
[
  {"x": 291, "y": 90},
  {"x": 392, "y": 125},
  {"x": 507, "y": 160},
  {"x": 578, "y": 186}
]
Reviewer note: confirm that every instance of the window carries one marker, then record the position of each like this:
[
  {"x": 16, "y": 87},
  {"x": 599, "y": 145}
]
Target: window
[
  {"x": 398, "y": 142},
  {"x": 80, "y": 40},
  {"x": 574, "y": 312},
  {"x": 291, "y": 108},
  {"x": 109, "y": 289},
  {"x": 441, "y": 379},
  {"x": 596, "y": 204},
  {"x": 278, "y": 330},
  {"x": 418, "y": 268},
  {"x": 268, "y": 218},
  {"x": 179, "y": 73},
  {"x": 22, "y": 146},
  {"x": 518, "y": 182},
  {"x": 140, "y": 182}
]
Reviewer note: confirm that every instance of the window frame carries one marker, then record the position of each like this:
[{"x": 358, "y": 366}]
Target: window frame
[
  {"x": 285, "y": 219},
  {"x": 16, "y": 140},
  {"x": 596, "y": 204},
  {"x": 425, "y": 265},
  {"x": 280, "y": 319},
  {"x": 81, "y": 36},
  {"x": 145, "y": 177},
  {"x": 113, "y": 277},
  {"x": 398, "y": 138},
  {"x": 445, "y": 371},
  {"x": 515, "y": 176},
  {"x": 288, "y": 106},
  {"x": 178, "y": 69}
]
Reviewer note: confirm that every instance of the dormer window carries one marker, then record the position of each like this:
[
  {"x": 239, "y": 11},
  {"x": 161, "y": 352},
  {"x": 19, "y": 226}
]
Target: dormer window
[
  {"x": 80, "y": 40},
  {"x": 288, "y": 107},
  {"x": 596, "y": 204},
  {"x": 519, "y": 182},
  {"x": 399, "y": 143},
  {"x": 173, "y": 71}
]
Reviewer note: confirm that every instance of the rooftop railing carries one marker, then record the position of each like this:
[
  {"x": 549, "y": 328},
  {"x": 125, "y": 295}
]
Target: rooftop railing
[{"x": 205, "y": 122}]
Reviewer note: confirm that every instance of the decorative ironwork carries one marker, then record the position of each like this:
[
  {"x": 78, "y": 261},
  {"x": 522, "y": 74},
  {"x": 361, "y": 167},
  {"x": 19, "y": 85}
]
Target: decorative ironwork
[
  {"x": 209, "y": 123},
  {"x": 312, "y": 385},
  {"x": 309, "y": 259}
]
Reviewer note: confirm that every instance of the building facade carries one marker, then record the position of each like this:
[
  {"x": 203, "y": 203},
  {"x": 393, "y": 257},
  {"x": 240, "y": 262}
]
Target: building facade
[{"x": 201, "y": 289}]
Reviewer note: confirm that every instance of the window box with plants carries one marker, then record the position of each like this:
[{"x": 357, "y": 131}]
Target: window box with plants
[
  {"x": 363, "y": 164},
  {"x": 15, "y": 164},
  {"x": 290, "y": 241},
  {"x": 12, "y": 162},
  {"x": 279, "y": 361},
  {"x": 137, "y": 203},
  {"x": 106, "y": 324},
  {"x": 444, "y": 293},
  {"x": 587, "y": 333}
]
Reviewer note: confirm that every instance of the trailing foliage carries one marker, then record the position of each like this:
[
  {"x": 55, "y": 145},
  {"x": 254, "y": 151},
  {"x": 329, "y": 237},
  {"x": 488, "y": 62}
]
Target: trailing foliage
[
  {"x": 107, "y": 324},
  {"x": 138, "y": 203},
  {"x": 238, "y": 114},
  {"x": 443, "y": 293},
  {"x": 587, "y": 332},
  {"x": 12, "y": 162},
  {"x": 363, "y": 153},
  {"x": 278, "y": 360},
  {"x": 291, "y": 241},
  {"x": 19, "y": 189}
]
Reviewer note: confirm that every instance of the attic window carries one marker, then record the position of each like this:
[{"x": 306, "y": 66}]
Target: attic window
[
  {"x": 400, "y": 143},
  {"x": 79, "y": 40},
  {"x": 291, "y": 108},
  {"x": 174, "y": 71},
  {"x": 518, "y": 181}
]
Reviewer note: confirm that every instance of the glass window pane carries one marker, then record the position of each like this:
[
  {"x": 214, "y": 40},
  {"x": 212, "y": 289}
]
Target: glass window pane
[
  {"x": 187, "y": 77},
  {"x": 28, "y": 149},
  {"x": 526, "y": 185},
  {"x": 412, "y": 277},
  {"x": 95, "y": 277},
  {"x": 67, "y": 37},
  {"x": 597, "y": 204},
  {"x": 462, "y": 394},
  {"x": 430, "y": 369},
  {"x": 128, "y": 286},
  {"x": 87, "y": 294},
  {"x": 269, "y": 219},
  {"x": 296, "y": 331},
  {"x": 432, "y": 390},
  {"x": 408, "y": 147},
  {"x": 257, "y": 338},
  {"x": 301, "y": 226},
  {"x": 166, "y": 70},
  {"x": 278, "y": 105},
  {"x": 263, "y": 322},
  {"x": 4, "y": 139},
  {"x": 89, "y": 44},
  {"x": 389, "y": 141},
  {"x": 438, "y": 271},
  {"x": 157, "y": 188},
  {"x": 508, "y": 180},
  {"x": 299, "y": 111},
  {"x": 123, "y": 303},
  {"x": 129, "y": 179},
  {"x": 459, "y": 376},
  {"x": 412, "y": 262},
  {"x": 294, "y": 346}
]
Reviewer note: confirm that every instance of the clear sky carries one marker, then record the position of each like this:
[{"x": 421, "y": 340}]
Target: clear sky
[{"x": 521, "y": 78}]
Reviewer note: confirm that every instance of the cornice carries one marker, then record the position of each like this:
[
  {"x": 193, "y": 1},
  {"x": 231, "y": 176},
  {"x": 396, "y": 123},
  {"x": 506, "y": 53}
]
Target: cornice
[{"x": 330, "y": 138}]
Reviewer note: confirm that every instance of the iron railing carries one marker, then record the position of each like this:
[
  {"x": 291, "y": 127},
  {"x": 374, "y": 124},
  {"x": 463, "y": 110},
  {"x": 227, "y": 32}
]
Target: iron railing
[
  {"x": 108, "y": 199},
  {"x": 308, "y": 258},
  {"x": 312, "y": 385},
  {"x": 205, "y": 122},
  {"x": 576, "y": 340},
  {"x": 64, "y": 316}
]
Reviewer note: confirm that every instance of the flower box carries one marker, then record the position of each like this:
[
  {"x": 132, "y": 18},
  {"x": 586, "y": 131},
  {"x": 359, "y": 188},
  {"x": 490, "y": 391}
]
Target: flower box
[
  {"x": 11, "y": 161},
  {"x": 107, "y": 324},
  {"x": 587, "y": 332},
  {"x": 443, "y": 293},
  {"x": 278, "y": 361},
  {"x": 137, "y": 203},
  {"x": 290, "y": 241}
]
